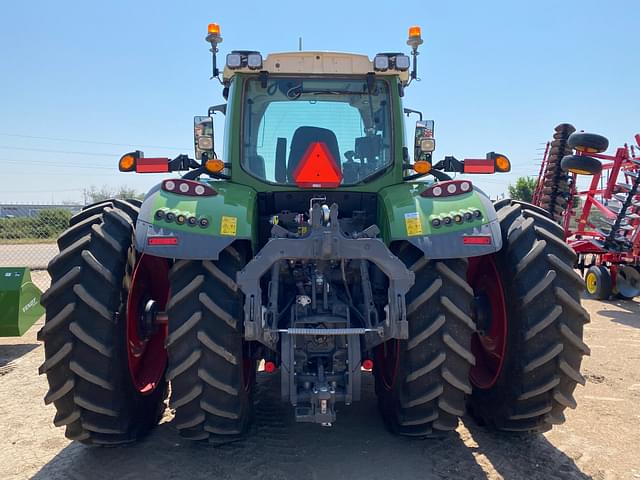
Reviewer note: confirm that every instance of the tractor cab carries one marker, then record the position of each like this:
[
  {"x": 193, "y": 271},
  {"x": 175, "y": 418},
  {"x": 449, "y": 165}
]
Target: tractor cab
[{"x": 316, "y": 132}]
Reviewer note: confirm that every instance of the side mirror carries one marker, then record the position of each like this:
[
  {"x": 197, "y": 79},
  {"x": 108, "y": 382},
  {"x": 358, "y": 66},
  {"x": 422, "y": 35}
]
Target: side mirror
[
  {"x": 203, "y": 137},
  {"x": 424, "y": 144}
]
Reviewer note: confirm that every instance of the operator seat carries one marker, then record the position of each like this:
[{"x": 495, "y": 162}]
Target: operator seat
[{"x": 305, "y": 136}]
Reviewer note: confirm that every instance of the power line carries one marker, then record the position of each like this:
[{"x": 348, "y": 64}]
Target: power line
[
  {"x": 70, "y": 174},
  {"x": 43, "y": 163},
  {"x": 44, "y": 191},
  {"x": 93, "y": 142},
  {"x": 30, "y": 149}
]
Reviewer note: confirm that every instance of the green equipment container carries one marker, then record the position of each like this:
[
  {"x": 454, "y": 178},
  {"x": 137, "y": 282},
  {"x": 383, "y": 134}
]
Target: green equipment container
[{"x": 19, "y": 301}]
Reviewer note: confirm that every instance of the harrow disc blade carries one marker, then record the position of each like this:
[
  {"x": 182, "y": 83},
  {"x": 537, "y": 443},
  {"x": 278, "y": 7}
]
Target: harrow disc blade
[{"x": 628, "y": 281}]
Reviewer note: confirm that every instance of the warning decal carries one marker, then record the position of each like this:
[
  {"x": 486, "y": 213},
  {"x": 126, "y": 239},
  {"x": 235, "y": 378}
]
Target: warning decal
[
  {"x": 228, "y": 225},
  {"x": 413, "y": 223}
]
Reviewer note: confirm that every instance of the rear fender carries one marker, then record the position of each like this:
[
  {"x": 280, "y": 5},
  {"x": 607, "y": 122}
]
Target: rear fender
[
  {"x": 230, "y": 215},
  {"x": 407, "y": 216}
]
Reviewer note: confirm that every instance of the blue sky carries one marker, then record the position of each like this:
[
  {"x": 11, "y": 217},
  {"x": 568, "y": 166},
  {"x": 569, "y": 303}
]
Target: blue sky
[{"x": 495, "y": 76}]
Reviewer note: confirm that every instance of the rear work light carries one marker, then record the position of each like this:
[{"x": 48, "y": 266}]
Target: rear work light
[
  {"x": 391, "y": 61},
  {"x": 244, "y": 58},
  {"x": 448, "y": 188},
  {"x": 188, "y": 187}
]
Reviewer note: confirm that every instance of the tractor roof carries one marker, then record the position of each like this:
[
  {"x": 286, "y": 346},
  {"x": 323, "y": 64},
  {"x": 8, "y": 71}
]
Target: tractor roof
[{"x": 317, "y": 63}]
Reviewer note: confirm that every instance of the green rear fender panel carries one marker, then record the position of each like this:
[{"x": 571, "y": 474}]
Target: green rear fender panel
[
  {"x": 230, "y": 215},
  {"x": 406, "y": 215}
]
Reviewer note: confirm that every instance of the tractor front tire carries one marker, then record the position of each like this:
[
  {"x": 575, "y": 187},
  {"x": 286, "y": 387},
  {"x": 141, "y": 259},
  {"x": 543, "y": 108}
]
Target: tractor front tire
[
  {"x": 211, "y": 374},
  {"x": 85, "y": 331},
  {"x": 540, "y": 364},
  {"x": 421, "y": 382}
]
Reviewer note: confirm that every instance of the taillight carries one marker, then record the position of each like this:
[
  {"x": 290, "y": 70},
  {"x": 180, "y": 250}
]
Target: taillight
[
  {"x": 448, "y": 188},
  {"x": 476, "y": 239},
  {"x": 162, "y": 241},
  {"x": 188, "y": 187}
]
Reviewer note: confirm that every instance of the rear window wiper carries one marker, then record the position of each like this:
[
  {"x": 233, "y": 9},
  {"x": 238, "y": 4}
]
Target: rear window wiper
[{"x": 332, "y": 92}]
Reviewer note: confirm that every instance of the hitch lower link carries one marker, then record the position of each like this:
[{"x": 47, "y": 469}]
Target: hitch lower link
[{"x": 324, "y": 242}]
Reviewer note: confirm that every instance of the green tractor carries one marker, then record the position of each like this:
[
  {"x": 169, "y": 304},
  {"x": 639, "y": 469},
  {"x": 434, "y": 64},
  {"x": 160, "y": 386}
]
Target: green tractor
[{"x": 317, "y": 250}]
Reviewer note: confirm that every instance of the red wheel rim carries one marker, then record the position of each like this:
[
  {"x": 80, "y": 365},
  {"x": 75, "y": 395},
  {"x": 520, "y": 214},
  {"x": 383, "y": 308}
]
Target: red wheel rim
[
  {"x": 387, "y": 360},
  {"x": 488, "y": 347},
  {"x": 147, "y": 354}
]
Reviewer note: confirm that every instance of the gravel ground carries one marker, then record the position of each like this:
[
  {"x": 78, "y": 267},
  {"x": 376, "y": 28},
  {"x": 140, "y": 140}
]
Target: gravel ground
[{"x": 599, "y": 439}]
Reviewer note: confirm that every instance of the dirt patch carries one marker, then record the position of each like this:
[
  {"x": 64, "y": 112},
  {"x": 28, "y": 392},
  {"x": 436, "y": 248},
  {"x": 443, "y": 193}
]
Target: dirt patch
[
  {"x": 594, "y": 378},
  {"x": 599, "y": 439}
]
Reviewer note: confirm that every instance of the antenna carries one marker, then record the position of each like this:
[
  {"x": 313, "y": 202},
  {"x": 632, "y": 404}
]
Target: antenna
[{"x": 300, "y": 44}]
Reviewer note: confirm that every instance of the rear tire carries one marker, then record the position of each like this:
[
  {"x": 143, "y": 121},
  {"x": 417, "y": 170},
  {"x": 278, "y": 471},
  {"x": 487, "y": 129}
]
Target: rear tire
[
  {"x": 84, "y": 334},
  {"x": 422, "y": 382},
  {"x": 544, "y": 346},
  {"x": 211, "y": 382}
]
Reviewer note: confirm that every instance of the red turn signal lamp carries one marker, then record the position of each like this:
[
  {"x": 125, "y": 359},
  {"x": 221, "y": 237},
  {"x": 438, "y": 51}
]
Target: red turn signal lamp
[
  {"x": 477, "y": 240},
  {"x": 448, "y": 188},
  {"x": 479, "y": 165},
  {"x": 317, "y": 168},
  {"x": 188, "y": 187},
  {"x": 269, "y": 366},
  {"x": 152, "y": 165},
  {"x": 162, "y": 241},
  {"x": 367, "y": 364}
]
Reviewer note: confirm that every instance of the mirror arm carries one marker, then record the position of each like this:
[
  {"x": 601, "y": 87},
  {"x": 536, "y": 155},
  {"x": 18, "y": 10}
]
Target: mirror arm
[
  {"x": 409, "y": 111},
  {"x": 182, "y": 162},
  {"x": 222, "y": 108},
  {"x": 450, "y": 164},
  {"x": 441, "y": 176},
  {"x": 194, "y": 174}
]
